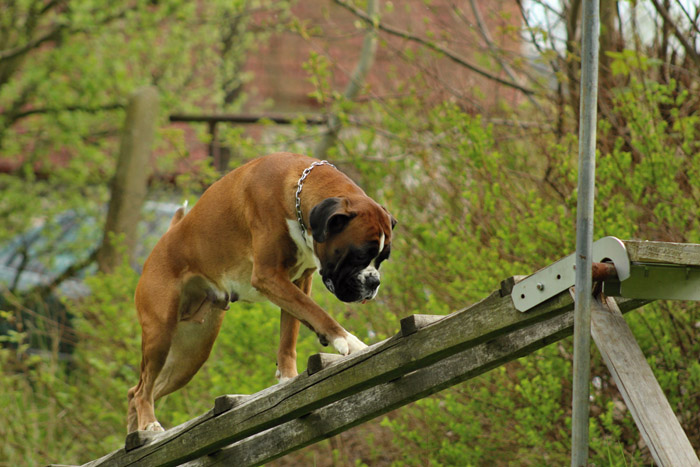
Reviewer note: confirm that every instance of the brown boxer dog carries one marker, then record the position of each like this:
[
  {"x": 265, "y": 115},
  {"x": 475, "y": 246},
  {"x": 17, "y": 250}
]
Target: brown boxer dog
[{"x": 259, "y": 233}]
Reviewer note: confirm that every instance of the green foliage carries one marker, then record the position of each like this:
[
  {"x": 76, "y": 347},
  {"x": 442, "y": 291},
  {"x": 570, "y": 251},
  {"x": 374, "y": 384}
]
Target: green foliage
[
  {"x": 48, "y": 403},
  {"x": 475, "y": 202}
]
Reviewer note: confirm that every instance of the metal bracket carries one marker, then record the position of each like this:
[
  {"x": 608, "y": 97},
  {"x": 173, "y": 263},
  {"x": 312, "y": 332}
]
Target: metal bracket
[{"x": 550, "y": 281}]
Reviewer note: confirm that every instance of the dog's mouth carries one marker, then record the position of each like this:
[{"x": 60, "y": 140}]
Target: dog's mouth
[
  {"x": 352, "y": 291},
  {"x": 328, "y": 282}
]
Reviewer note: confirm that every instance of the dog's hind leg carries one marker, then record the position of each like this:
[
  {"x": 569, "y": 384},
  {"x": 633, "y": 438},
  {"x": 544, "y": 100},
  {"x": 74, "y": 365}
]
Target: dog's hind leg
[
  {"x": 157, "y": 312},
  {"x": 141, "y": 414},
  {"x": 190, "y": 348},
  {"x": 175, "y": 343}
]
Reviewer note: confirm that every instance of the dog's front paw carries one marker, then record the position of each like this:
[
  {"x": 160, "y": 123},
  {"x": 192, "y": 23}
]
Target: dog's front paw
[
  {"x": 348, "y": 344},
  {"x": 154, "y": 426}
]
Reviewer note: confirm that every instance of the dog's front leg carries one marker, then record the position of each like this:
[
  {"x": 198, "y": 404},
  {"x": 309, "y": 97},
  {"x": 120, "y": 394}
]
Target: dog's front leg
[
  {"x": 289, "y": 330},
  {"x": 287, "y": 353},
  {"x": 275, "y": 285}
]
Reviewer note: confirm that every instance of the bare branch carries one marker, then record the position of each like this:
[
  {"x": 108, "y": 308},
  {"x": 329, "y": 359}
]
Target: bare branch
[
  {"x": 37, "y": 41},
  {"x": 689, "y": 49},
  {"x": 369, "y": 47},
  {"x": 70, "y": 108},
  {"x": 486, "y": 35},
  {"x": 431, "y": 45}
]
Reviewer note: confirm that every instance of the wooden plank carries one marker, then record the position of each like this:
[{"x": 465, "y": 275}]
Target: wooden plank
[
  {"x": 663, "y": 434},
  {"x": 379, "y": 363},
  {"x": 358, "y": 408},
  {"x": 663, "y": 252}
]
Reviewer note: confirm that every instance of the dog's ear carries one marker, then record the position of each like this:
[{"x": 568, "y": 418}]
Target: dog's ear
[
  {"x": 393, "y": 221},
  {"x": 329, "y": 217}
]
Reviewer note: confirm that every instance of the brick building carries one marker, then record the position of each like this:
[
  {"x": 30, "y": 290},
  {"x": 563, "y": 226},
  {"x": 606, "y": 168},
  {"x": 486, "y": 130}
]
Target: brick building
[{"x": 279, "y": 76}]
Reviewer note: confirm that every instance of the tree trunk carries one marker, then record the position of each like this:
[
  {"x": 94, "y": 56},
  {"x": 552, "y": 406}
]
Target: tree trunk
[{"x": 130, "y": 179}]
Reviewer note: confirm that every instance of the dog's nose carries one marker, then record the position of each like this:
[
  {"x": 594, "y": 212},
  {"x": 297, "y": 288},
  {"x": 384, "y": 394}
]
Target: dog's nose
[{"x": 372, "y": 282}]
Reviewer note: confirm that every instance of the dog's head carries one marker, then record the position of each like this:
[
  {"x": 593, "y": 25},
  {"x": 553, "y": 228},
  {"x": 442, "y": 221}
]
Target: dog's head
[{"x": 352, "y": 236}]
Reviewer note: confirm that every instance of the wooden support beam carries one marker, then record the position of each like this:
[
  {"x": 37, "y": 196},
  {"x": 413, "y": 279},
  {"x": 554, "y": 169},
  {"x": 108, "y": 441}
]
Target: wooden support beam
[{"x": 658, "y": 425}]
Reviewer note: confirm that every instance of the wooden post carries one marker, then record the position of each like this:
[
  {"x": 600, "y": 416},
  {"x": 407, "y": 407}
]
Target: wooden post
[
  {"x": 130, "y": 178},
  {"x": 658, "y": 425}
]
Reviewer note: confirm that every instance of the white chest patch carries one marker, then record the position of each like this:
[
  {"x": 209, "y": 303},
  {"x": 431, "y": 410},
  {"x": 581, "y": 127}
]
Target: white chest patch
[{"x": 306, "y": 258}]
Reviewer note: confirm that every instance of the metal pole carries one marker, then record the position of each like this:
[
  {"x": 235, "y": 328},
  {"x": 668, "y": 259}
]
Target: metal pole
[{"x": 584, "y": 231}]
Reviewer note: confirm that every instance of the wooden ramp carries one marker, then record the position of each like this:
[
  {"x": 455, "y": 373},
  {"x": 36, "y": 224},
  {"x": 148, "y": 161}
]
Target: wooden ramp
[{"x": 429, "y": 354}]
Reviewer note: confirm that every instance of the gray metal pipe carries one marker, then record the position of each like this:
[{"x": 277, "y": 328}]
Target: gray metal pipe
[{"x": 584, "y": 231}]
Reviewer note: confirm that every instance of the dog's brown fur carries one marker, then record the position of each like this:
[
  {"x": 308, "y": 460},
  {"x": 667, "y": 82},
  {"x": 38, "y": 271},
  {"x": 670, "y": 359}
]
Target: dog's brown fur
[{"x": 235, "y": 243}]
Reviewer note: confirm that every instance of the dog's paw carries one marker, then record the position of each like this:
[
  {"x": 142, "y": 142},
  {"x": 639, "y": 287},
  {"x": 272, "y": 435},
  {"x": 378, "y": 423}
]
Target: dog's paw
[
  {"x": 348, "y": 344},
  {"x": 154, "y": 426},
  {"x": 283, "y": 379}
]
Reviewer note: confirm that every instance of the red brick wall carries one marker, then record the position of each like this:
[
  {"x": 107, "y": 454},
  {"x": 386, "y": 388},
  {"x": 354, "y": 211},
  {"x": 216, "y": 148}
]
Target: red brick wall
[{"x": 279, "y": 75}]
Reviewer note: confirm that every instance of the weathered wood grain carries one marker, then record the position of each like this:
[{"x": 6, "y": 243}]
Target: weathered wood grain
[
  {"x": 663, "y": 252},
  {"x": 663, "y": 434}
]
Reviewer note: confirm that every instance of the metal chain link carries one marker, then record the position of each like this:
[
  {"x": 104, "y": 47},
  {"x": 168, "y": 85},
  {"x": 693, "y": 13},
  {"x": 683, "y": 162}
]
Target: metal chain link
[{"x": 300, "y": 183}]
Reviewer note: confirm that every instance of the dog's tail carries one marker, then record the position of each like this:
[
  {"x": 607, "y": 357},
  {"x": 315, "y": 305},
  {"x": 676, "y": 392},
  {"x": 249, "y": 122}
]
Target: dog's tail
[{"x": 179, "y": 214}]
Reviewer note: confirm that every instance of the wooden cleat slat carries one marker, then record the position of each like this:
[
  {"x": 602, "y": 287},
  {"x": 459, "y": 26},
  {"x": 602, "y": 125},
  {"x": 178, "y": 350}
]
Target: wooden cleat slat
[
  {"x": 138, "y": 438},
  {"x": 227, "y": 402},
  {"x": 319, "y": 361},
  {"x": 414, "y": 323},
  {"x": 508, "y": 284}
]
